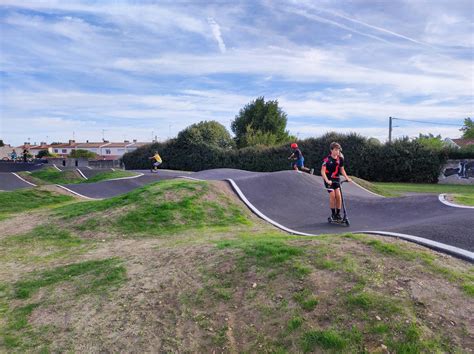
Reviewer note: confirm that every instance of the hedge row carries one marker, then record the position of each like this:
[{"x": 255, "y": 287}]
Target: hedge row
[
  {"x": 401, "y": 161},
  {"x": 457, "y": 154}
]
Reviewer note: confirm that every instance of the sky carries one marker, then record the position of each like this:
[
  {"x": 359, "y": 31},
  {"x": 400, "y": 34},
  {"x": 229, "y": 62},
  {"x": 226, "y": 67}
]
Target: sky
[{"x": 138, "y": 69}]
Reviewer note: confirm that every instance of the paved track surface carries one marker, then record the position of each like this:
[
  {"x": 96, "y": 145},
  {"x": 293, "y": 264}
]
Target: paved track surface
[
  {"x": 10, "y": 182},
  {"x": 107, "y": 189},
  {"x": 299, "y": 202},
  {"x": 19, "y": 166}
]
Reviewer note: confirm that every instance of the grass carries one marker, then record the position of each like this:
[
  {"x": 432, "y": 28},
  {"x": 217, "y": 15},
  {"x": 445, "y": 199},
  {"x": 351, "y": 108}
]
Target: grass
[
  {"x": 325, "y": 339},
  {"x": 95, "y": 277},
  {"x": 52, "y": 176},
  {"x": 271, "y": 291},
  {"x": 102, "y": 176},
  {"x": 306, "y": 300},
  {"x": 465, "y": 279},
  {"x": 265, "y": 250},
  {"x": 464, "y": 199},
  {"x": 165, "y": 207},
  {"x": 462, "y": 194},
  {"x": 27, "y": 199},
  {"x": 43, "y": 243}
]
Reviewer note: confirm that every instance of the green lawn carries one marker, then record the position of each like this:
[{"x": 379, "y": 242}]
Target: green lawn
[
  {"x": 102, "y": 176},
  {"x": 28, "y": 199},
  {"x": 462, "y": 194},
  {"x": 53, "y": 176}
]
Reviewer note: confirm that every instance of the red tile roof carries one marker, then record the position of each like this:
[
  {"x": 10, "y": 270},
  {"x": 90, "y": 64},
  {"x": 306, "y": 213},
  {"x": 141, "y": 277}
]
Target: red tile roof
[{"x": 463, "y": 142}]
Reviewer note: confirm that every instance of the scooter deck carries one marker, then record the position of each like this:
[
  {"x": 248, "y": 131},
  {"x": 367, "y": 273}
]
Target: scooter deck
[{"x": 343, "y": 222}]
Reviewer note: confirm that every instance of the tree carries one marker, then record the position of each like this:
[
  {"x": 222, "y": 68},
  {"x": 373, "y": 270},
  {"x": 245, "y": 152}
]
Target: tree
[
  {"x": 468, "y": 129},
  {"x": 209, "y": 132},
  {"x": 1, "y": 143},
  {"x": 43, "y": 153},
  {"x": 260, "y": 122},
  {"x": 82, "y": 153},
  {"x": 430, "y": 141}
]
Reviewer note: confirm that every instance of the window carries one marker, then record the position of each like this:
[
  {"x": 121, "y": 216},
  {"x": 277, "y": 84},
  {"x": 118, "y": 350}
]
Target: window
[
  {"x": 64, "y": 151},
  {"x": 56, "y": 150},
  {"x": 107, "y": 151}
]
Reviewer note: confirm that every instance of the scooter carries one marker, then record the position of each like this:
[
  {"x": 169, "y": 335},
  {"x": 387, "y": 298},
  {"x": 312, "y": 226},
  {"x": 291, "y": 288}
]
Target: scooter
[{"x": 345, "y": 219}]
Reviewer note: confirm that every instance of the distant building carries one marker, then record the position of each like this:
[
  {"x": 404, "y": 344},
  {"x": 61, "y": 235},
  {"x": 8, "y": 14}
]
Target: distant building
[
  {"x": 459, "y": 143},
  {"x": 104, "y": 150},
  {"x": 6, "y": 151},
  {"x": 64, "y": 149},
  {"x": 34, "y": 150}
]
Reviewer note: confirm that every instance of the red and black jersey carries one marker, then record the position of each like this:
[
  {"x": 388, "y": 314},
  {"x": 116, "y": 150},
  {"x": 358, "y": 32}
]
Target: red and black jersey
[{"x": 333, "y": 166}]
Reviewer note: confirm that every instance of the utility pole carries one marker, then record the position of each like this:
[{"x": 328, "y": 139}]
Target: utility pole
[{"x": 390, "y": 129}]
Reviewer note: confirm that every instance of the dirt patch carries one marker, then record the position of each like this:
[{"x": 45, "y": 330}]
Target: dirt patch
[{"x": 21, "y": 223}]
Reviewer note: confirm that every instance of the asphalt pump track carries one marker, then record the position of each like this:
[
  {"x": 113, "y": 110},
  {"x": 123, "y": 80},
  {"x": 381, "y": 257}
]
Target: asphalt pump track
[{"x": 298, "y": 203}]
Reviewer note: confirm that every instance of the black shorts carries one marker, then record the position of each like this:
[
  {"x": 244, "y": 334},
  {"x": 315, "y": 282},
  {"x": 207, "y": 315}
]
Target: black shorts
[{"x": 335, "y": 185}]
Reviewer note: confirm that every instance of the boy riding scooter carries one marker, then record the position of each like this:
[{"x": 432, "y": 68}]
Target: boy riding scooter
[
  {"x": 298, "y": 164},
  {"x": 332, "y": 168}
]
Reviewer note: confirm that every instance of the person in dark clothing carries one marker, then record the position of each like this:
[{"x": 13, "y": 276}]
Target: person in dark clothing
[
  {"x": 298, "y": 164},
  {"x": 331, "y": 170},
  {"x": 25, "y": 155}
]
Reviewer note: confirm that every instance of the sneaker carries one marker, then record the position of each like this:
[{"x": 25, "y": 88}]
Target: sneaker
[
  {"x": 338, "y": 217},
  {"x": 311, "y": 172}
]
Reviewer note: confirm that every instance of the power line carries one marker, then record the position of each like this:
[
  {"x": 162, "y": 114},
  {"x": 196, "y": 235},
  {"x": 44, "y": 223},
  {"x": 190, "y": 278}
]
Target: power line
[
  {"x": 390, "y": 126},
  {"x": 426, "y": 122}
]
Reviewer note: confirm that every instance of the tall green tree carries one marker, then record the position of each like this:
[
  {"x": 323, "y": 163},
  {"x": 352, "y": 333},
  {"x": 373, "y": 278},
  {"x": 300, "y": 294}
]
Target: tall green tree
[
  {"x": 209, "y": 132},
  {"x": 468, "y": 129},
  {"x": 260, "y": 123},
  {"x": 431, "y": 141}
]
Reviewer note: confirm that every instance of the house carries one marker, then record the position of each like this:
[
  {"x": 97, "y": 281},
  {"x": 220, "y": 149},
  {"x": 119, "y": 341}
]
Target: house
[
  {"x": 63, "y": 150},
  {"x": 105, "y": 150},
  {"x": 34, "y": 150},
  {"x": 6, "y": 151},
  {"x": 96, "y": 148},
  {"x": 458, "y": 143}
]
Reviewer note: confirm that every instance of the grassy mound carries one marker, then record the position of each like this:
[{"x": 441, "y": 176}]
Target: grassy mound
[
  {"x": 27, "y": 199},
  {"x": 53, "y": 176},
  {"x": 161, "y": 208},
  {"x": 181, "y": 266}
]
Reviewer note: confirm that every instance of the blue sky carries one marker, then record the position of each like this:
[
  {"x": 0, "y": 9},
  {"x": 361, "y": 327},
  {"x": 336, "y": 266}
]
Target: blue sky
[{"x": 137, "y": 68}]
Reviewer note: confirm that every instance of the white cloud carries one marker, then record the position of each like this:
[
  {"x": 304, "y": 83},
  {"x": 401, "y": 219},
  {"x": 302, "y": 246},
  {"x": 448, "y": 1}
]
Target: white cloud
[
  {"x": 313, "y": 65},
  {"x": 135, "y": 114},
  {"x": 216, "y": 32}
]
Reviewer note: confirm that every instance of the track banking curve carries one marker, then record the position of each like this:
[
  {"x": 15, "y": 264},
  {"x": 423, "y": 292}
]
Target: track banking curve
[{"x": 299, "y": 202}]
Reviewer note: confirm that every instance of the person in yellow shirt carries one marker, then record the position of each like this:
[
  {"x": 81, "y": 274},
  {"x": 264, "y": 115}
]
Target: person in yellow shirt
[{"x": 157, "y": 162}]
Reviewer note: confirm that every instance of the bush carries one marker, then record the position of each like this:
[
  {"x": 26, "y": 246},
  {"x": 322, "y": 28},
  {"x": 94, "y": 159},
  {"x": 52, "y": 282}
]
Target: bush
[
  {"x": 82, "y": 153},
  {"x": 463, "y": 153},
  {"x": 401, "y": 161},
  {"x": 209, "y": 132},
  {"x": 43, "y": 153}
]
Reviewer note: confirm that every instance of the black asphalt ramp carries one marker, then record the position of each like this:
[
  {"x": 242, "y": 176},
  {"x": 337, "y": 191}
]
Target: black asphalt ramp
[
  {"x": 7, "y": 166},
  {"x": 299, "y": 202},
  {"x": 10, "y": 182},
  {"x": 111, "y": 188}
]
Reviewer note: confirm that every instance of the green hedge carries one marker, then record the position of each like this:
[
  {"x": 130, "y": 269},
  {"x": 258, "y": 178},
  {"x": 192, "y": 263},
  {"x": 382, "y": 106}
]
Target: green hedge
[
  {"x": 464, "y": 153},
  {"x": 401, "y": 161}
]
